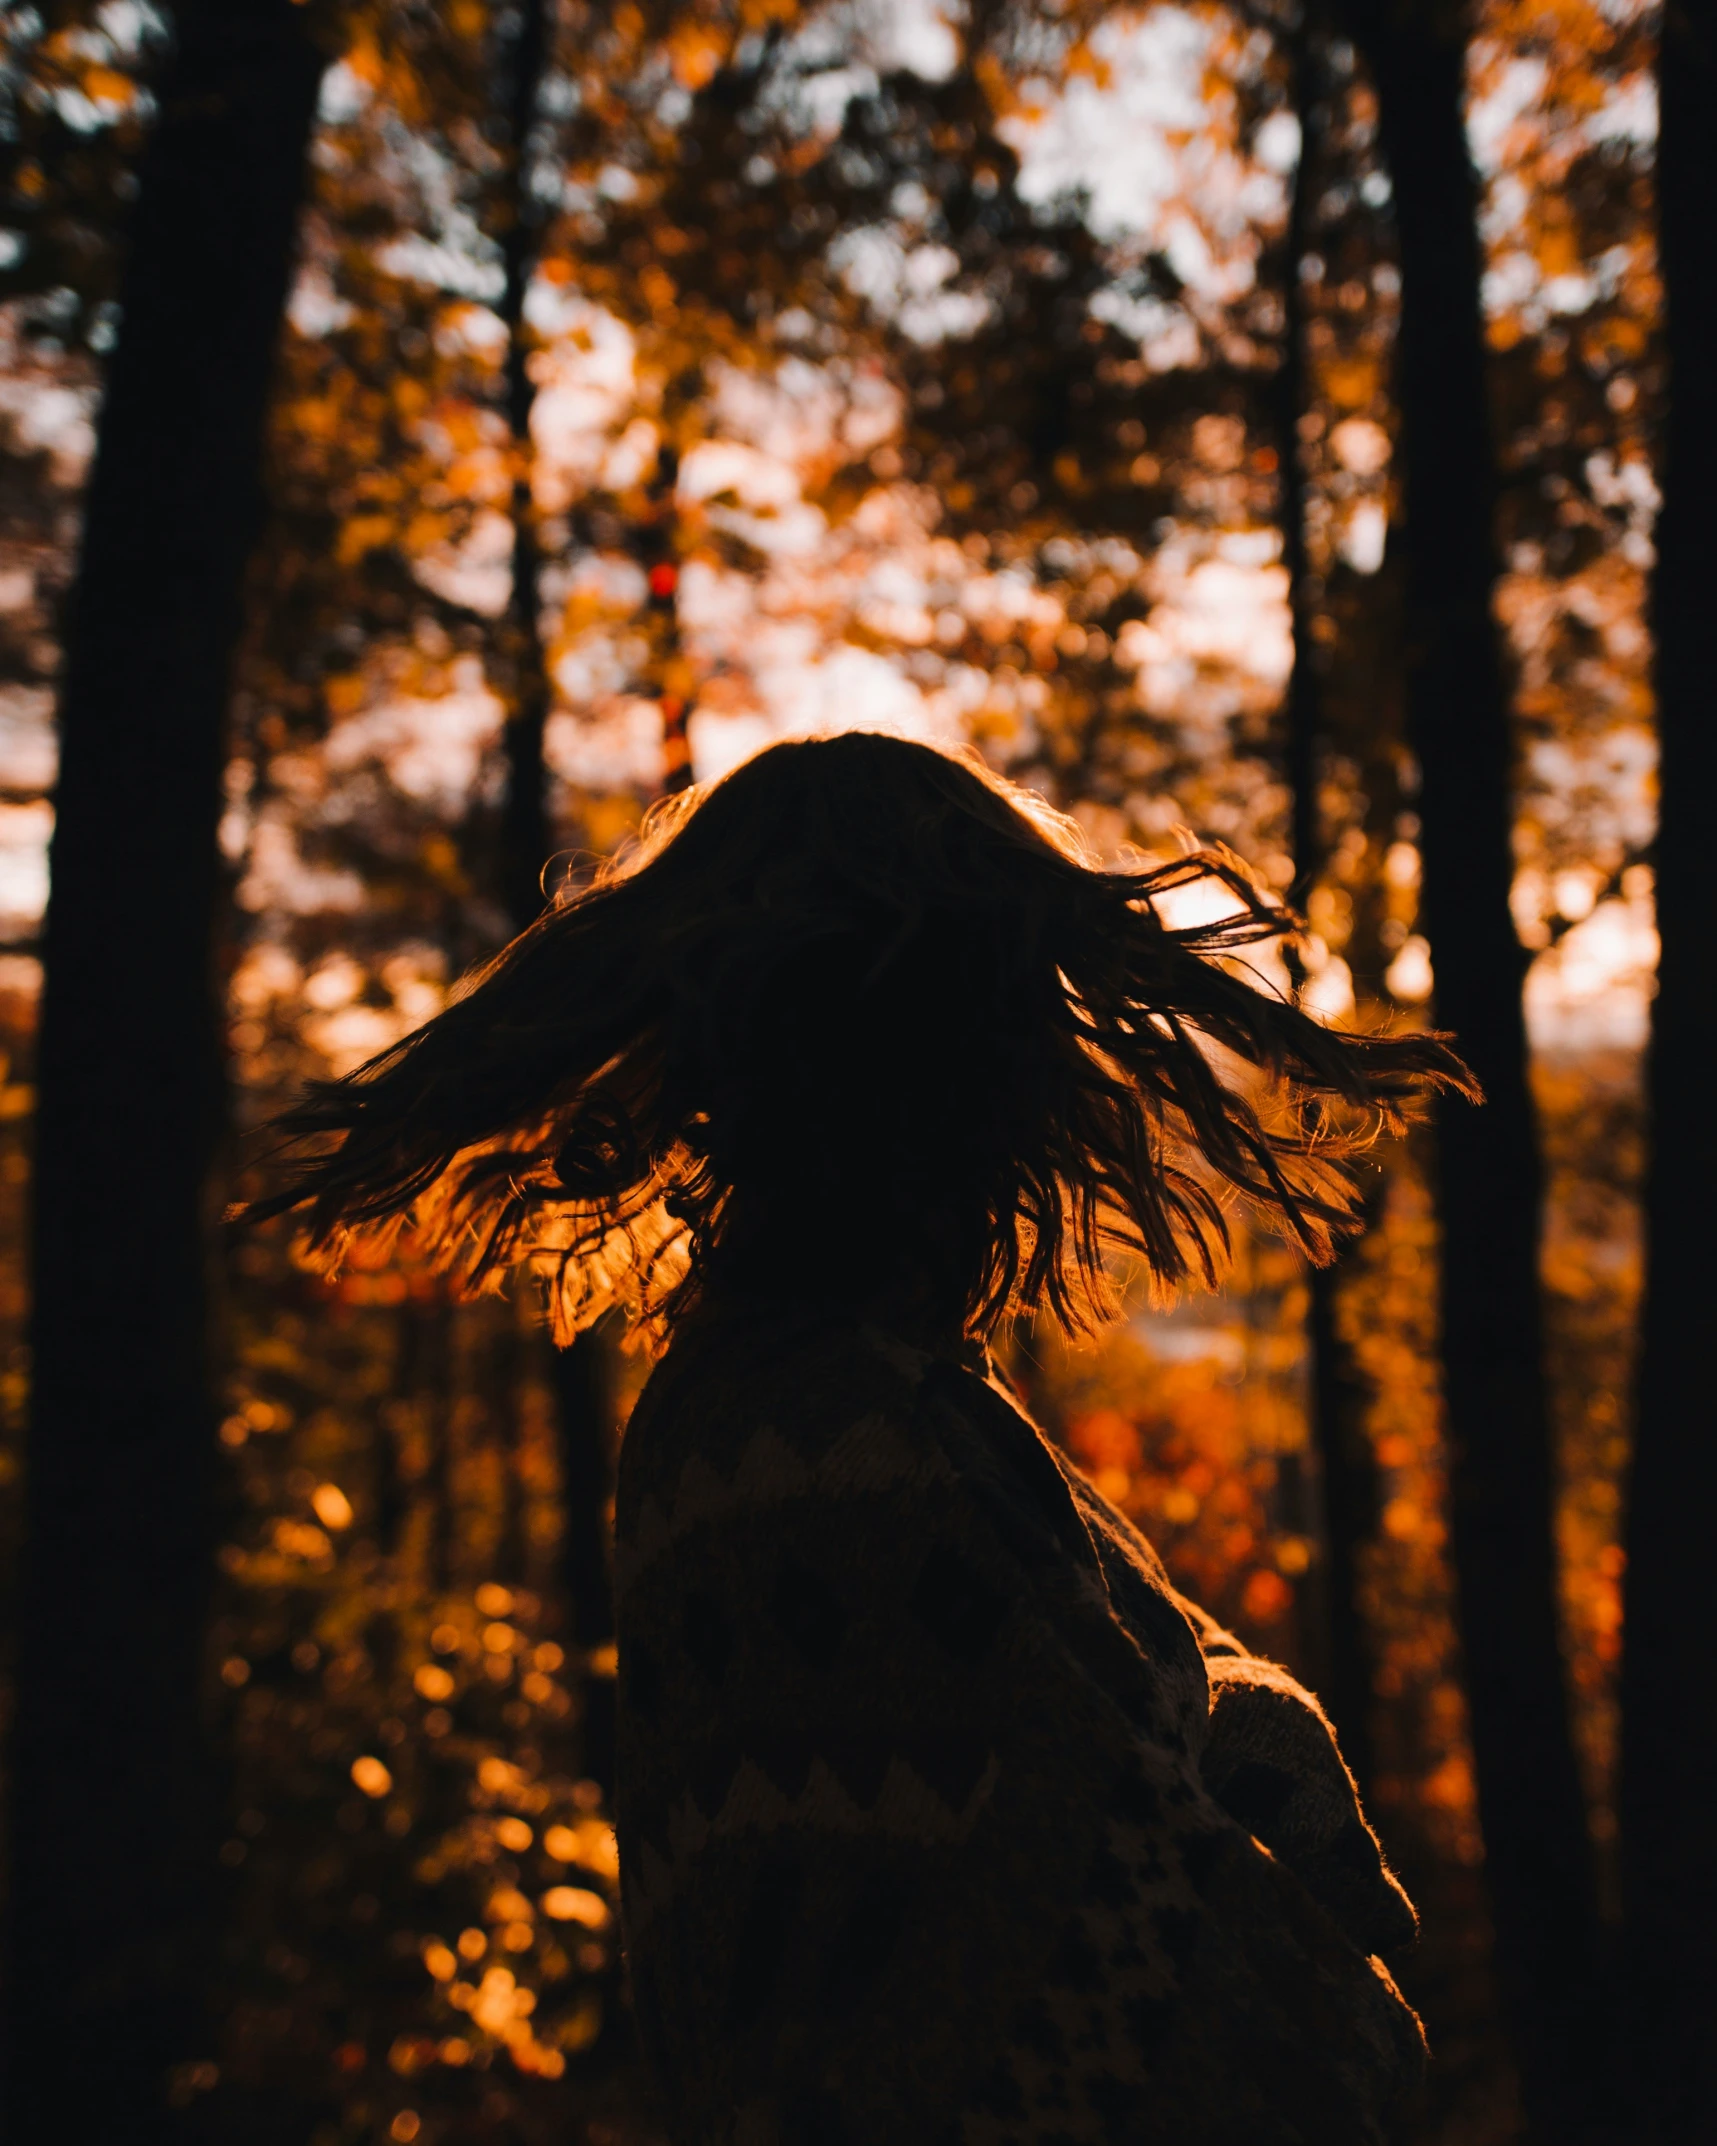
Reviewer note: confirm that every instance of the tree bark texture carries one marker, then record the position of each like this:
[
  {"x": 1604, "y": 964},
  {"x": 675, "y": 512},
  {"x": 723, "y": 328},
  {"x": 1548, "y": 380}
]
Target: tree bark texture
[
  {"x": 583, "y": 1402},
  {"x": 111, "y": 1851},
  {"x": 1669, "y": 1680},
  {"x": 1538, "y": 1862}
]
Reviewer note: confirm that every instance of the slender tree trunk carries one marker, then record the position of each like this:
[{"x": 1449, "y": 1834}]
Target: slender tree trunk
[
  {"x": 524, "y": 827},
  {"x": 433, "y": 1358},
  {"x": 111, "y": 1848},
  {"x": 1669, "y": 1678},
  {"x": 583, "y": 1403},
  {"x": 1489, "y": 1184},
  {"x": 1336, "y": 1398},
  {"x": 584, "y": 1397},
  {"x": 656, "y": 554}
]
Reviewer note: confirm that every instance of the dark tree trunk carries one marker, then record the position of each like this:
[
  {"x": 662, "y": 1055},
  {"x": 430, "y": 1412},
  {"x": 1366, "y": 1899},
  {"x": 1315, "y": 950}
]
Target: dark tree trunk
[
  {"x": 1336, "y": 1397},
  {"x": 524, "y": 825},
  {"x": 585, "y": 1400},
  {"x": 1669, "y": 1678},
  {"x": 111, "y": 1852},
  {"x": 583, "y": 1404},
  {"x": 656, "y": 554},
  {"x": 1489, "y": 1186}
]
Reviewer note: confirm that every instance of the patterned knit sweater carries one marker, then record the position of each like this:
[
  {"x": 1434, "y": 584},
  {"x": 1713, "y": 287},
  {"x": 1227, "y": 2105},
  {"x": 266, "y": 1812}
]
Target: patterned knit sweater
[{"x": 942, "y": 1818}]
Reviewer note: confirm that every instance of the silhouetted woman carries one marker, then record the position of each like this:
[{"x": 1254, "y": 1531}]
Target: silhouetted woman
[{"x": 942, "y": 1816}]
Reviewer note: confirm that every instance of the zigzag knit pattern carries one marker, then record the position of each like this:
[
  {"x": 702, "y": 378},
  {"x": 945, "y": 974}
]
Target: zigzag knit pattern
[{"x": 917, "y": 1844}]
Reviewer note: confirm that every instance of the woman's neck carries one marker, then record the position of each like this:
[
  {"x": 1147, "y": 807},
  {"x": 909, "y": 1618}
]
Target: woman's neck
[{"x": 914, "y": 1314}]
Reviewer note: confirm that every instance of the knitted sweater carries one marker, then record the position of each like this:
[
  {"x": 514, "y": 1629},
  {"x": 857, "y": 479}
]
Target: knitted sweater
[{"x": 929, "y": 1828}]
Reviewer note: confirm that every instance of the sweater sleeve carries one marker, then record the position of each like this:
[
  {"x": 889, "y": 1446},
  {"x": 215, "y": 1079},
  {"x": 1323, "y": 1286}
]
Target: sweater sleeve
[
  {"x": 1269, "y": 1755},
  {"x": 915, "y": 1842},
  {"x": 1271, "y": 1760}
]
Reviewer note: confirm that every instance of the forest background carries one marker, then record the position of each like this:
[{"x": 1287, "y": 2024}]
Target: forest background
[{"x": 1250, "y": 418}]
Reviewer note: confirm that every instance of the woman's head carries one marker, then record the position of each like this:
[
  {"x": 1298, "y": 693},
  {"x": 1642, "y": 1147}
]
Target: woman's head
[{"x": 864, "y": 1021}]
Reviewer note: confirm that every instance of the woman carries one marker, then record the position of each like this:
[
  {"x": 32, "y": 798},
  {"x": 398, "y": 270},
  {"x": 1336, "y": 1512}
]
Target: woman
[{"x": 942, "y": 1816}]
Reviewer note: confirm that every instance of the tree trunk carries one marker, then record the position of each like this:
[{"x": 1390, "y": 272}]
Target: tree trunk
[
  {"x": 1335, "y": 1397},
  {"x": 111, "y": 1849},
  {"x": 656, "y": 554},
  {"x": 1489, "y": 1187},
  {"x": 524, "y": 825},
  {"x": 1669, "y": 1683},
  {"x": 583, "y": 1404}
]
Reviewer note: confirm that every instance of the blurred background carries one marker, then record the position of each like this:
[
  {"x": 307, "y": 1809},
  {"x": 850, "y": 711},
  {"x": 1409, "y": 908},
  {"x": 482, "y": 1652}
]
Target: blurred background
[{"x": 658, "y": 380}]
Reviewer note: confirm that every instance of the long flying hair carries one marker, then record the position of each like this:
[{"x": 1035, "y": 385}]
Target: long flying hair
[{"x": 862, "y": 1020}]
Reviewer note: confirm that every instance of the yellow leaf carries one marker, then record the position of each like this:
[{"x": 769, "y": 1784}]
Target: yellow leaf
[
  {"x": 365, "y": 62},
  {"x": 362, "y": 534},
  {"x": 1351, "y": 382},
  {"x": 105, "y": 86},
  {"x": 572, "y": 1903},
  {"x": 333, "y": 1508},
  {"x": 695, "y": 51},
  {"x": 371, "y": 1776}
]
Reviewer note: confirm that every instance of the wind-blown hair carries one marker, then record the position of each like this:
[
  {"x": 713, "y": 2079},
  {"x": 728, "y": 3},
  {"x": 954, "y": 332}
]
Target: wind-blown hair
[{"x": 860, "y": 1020}]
